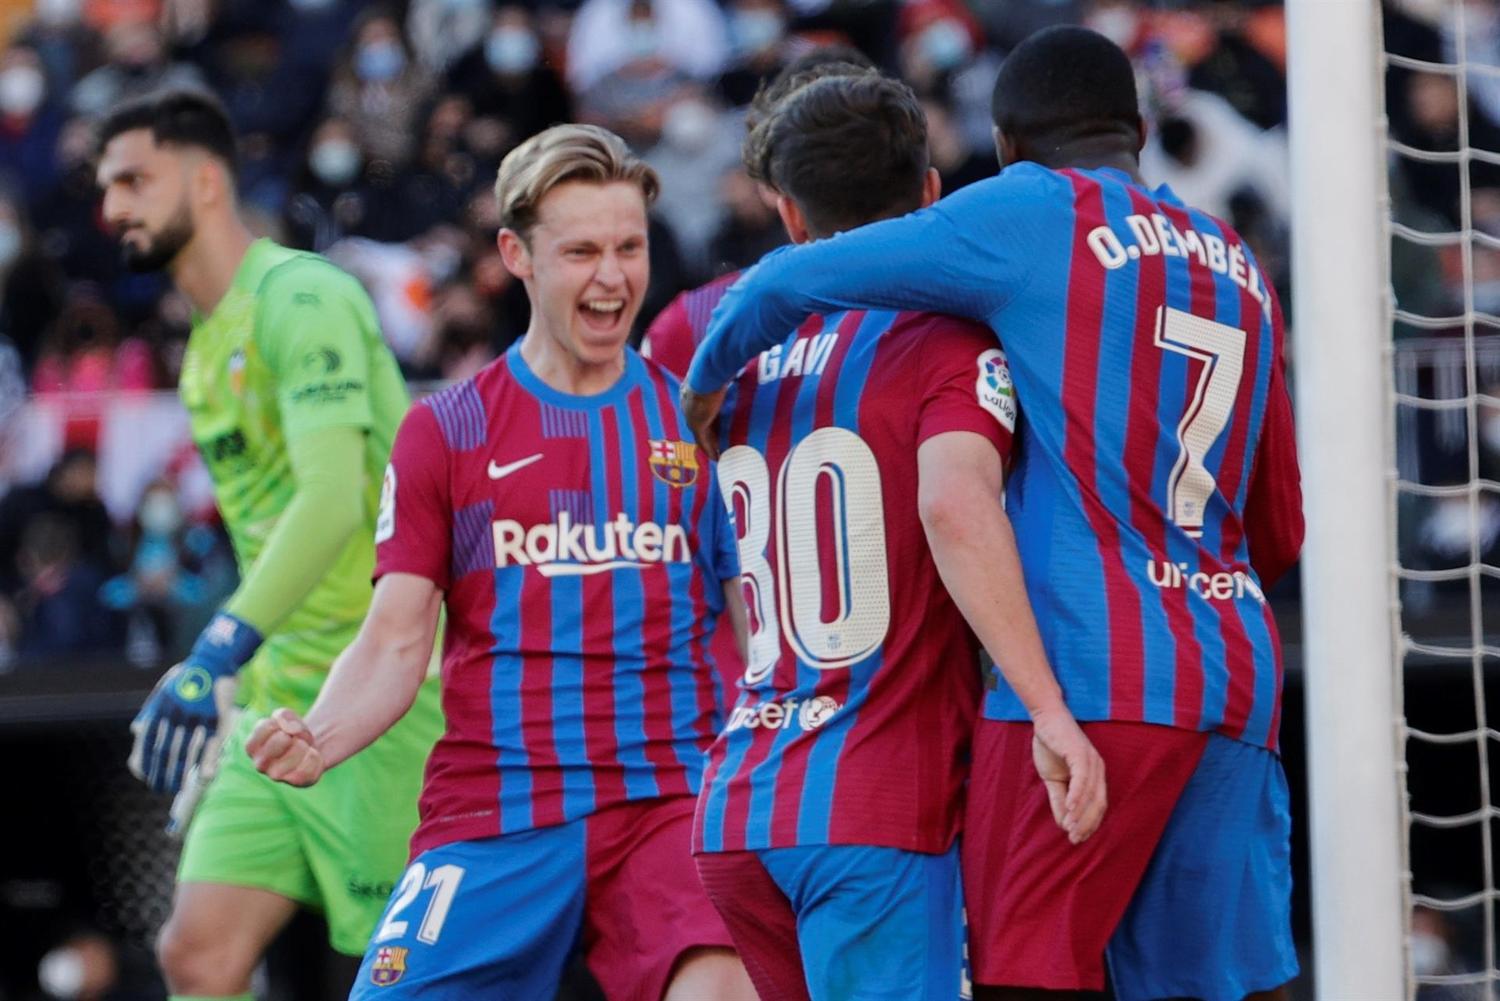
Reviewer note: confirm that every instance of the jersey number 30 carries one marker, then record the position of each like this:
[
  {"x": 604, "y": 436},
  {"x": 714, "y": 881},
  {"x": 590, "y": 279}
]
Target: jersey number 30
[{"x": 849, "y": 565}]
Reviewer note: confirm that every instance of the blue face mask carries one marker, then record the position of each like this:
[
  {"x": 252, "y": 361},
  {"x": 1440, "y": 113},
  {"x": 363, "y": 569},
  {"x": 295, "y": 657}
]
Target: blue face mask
[
  {"x": 379, "y": 62},
  {"x": 511, "y": 50},
  {"x": 755, "y": 30},
  {"x": 945, "y": 43}
]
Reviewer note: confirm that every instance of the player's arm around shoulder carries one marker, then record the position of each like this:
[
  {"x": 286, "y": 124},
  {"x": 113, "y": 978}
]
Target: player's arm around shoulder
[{"x": 372, "y": 685}]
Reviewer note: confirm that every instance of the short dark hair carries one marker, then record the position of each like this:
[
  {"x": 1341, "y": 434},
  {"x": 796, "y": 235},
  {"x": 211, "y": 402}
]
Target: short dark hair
[
  {"x": 177, "y": 117},
  {"x": 831, "y": 60},
  {"x": 848, "y": 150},
  {"x": 1063, "y": 84}
]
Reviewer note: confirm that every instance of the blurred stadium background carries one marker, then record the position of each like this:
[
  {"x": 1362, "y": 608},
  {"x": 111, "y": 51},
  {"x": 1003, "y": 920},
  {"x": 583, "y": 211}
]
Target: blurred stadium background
[{"x": 371, "y": 132}]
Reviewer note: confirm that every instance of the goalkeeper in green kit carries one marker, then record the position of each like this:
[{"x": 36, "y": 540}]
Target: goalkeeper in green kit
[{"x": 294, "y": 400}]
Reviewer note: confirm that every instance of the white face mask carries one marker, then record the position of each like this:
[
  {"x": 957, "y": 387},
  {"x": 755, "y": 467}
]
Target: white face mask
[
  {"x": 159, "y": 514},
  {"x": 58, "y": 13},
  {"x": 21, "y": 90},
  {"x": 62, "y": 974},
  {"x": 641, "y": 37},
  {"x": 689, "y": 126},
  {"x": 1429, "y": 954},
  {"x": 335, "y": 161},
  {"x": 1118, "y": 24}
]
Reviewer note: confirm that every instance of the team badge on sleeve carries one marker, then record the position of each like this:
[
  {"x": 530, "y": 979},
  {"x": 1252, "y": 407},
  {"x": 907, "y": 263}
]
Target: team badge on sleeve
[
  {"x": 385, "y": 521},
  {"x": 389, "y": 965},
  {"x": 675, "y": 463},
  {"x": 994, "y": 388}
]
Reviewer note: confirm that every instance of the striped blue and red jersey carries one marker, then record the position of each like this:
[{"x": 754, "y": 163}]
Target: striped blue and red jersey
[
  {"x": 855, "y": 711},
  {"x": 1156, "y": 491},
  {"x": 669, "y": 341},
  {"x": 581, "y": 544}
]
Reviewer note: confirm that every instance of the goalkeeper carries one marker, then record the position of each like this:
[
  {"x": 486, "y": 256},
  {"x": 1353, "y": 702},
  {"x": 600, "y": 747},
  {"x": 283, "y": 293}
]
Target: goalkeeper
[{"x": 294, "y": 400}]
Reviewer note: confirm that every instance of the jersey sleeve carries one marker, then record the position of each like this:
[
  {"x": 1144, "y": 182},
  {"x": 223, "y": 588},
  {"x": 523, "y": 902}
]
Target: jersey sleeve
[
  {"x": 413, "y": 532},
  {"x": 1273, "y": 505},
  {"x": 966, "y": 255},
  {"x": 669, "y": 339},
  {"x": 312, "y": 333},
  {"x": 968, "y": 385}
]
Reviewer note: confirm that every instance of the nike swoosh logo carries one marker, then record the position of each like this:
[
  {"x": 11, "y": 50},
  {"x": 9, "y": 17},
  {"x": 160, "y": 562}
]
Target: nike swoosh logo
[{"x": 500, "y": 472}]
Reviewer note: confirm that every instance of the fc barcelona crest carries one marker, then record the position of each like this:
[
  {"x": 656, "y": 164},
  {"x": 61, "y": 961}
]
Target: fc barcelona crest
[
  {"x": 675, "y": 463},
  {"x": 390, "y": 964}
]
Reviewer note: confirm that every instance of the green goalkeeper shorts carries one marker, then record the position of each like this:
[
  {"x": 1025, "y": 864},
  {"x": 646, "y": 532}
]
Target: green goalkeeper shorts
[{"x": 337, "y": 847}]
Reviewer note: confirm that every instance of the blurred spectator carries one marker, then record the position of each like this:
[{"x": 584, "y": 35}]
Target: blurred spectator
[
  {"x": 29, "y": 123},
  {"x": 161, "y": 580},
  {"x": 752, "y": 228},
  {"x": 505, "y": 77},
  {"x": 697, "y": 145},
  {"x": 55, "y": 552},
  {"x": 31, "y": 287},
  {"x": 327, "y": 201},
  {"x": 67, "y": 47},
  {"x": 1428, "y": 119},
  {"x": 442, "y": 30},
  {"x": 380, "y": 91},
  {"x": 464, "y": 333},
  {"x": 759, "y": 48},
  {"x": 85, "y": 353},
  {"x": 956, "y": 161},
  {"x": 88, "y": 966},
  {"x": 1209, "y": 154},
  {"x": 1247, "y": 61},
  {"x": 937, "y": 39},
  {"x": 687, "y": 37},
  {"x": 136, "y": 63}
]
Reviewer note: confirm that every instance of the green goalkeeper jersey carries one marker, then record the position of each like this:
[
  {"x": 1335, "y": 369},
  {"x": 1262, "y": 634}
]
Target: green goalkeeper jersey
[{"x": 293, "y": 347}]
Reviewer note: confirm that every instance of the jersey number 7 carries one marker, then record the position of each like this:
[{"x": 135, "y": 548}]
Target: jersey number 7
[{"x": 1221, "y": 349}]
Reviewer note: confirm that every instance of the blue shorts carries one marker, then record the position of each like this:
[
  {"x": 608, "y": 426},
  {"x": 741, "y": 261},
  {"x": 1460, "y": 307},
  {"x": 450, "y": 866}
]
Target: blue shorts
[
  {"x": 1186, "y": 886},
  {"x": 843, "y": 922},
  {"x": 498, "y": 918}
]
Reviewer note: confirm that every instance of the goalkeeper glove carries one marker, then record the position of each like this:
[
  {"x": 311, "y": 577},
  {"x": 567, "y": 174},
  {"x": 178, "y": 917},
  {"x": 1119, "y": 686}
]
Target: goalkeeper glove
[{"x": 181, "y": 714}]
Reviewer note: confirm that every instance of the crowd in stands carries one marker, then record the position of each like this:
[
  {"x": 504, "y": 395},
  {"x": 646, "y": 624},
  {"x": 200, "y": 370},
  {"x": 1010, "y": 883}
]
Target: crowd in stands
[{"x": 372, "y": 132}]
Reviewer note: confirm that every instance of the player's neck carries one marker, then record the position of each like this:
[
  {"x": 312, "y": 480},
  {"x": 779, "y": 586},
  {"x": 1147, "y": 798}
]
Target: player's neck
[
  {"x": 204, "y": 269},
  {"x": 1094, "y": 156},
  {"x": 566, "y": 372}
]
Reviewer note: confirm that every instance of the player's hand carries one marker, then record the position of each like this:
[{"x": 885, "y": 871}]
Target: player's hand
[
  {"x": 181, "y": 714},
  {"x": 1073, "y": 772},
  {"x": 283, "y": 749},
  {"x": 702, "y": 413}
]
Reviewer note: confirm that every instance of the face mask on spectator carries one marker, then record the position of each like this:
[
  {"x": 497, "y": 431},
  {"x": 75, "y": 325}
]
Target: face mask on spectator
[
  {"x": 379, "y": 62},
  {"x": 1119, "y": 24},
  {"x": 641, "y": 39},
  {"x": 312, "y": 6},
  {"x": 21, "y": 90},
  {"x": 945, "y": 44},
  {"x": 10, "y": 243},
  {"x": 511, "y": 50},
  {"x": 1429, "y": 954},
  {"x": 58, "y": 13},
  {"x": 335, "y": 161},
  {"x": 688, "y": 126},
  {"x": 160, "y": 514},
  {"x": 755, "y": 31},
  {"x": 61, "y": 973}
]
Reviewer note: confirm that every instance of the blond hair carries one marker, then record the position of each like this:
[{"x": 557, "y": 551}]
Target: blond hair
[{"x": 560, "y": 154}]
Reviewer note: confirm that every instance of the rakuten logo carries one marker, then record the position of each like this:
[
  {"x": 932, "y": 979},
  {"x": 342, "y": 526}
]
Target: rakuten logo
[
  {"x": 1219, "y": 586},
  {"x": 565, "y": 548},
  {"x": 808, "y": 715}
]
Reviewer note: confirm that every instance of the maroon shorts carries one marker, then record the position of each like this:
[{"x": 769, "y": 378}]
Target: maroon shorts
[
  {"x": 1041, "y": 910},
  {"x": 644, "y": 905}
]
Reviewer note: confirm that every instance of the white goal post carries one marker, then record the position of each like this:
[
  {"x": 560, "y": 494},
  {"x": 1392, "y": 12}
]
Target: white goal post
[{"x": 1341, "y": 355}]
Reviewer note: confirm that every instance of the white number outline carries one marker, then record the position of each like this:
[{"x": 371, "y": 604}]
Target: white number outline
[
  {"x": 1221, "y": 349},
  {"x": 864, "y": 592},
  {"x": 445, "y": 878}
]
